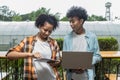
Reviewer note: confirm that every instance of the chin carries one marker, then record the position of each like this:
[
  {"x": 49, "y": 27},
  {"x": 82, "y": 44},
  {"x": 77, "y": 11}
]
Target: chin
[
  {"x": 45, "y": 37},
  {"x": 74, "y": 30}
]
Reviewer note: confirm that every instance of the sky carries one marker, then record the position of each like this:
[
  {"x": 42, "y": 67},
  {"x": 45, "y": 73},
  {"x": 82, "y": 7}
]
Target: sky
[{"x": 96, "y": 7}]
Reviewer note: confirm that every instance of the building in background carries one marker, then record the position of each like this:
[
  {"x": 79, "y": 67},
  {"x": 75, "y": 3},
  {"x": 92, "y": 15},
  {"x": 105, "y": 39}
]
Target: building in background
[
  {"x": 108, "y": 13},
  {"x": 12, "y": 33}
]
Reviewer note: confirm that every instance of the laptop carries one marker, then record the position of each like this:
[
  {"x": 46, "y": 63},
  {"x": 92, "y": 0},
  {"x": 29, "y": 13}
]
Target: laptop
[{"x": 75, "y": 60}]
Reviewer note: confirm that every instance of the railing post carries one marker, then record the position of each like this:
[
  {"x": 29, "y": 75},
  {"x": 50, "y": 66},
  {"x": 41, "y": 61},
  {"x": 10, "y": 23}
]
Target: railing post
[{"x": 16, "y": 70}]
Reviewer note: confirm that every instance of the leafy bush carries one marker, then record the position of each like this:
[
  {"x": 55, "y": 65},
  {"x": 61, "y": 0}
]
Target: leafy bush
[
  {"x": 60, "y": 42},
  {"x": 108, "y": 44}
]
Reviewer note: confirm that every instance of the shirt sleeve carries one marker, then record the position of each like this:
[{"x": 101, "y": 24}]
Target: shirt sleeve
[
  {"x": 19, "y": 47},
  {"x": 96, "y": 56}
]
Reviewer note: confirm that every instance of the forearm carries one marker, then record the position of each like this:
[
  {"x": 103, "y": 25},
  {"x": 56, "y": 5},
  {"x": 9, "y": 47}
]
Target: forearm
[{"x": 17, "y": 55}]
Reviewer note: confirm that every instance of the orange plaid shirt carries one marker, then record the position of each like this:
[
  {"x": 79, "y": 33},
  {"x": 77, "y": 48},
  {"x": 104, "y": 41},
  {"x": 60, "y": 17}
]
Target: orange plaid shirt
[{"x": 27, "y": 45}]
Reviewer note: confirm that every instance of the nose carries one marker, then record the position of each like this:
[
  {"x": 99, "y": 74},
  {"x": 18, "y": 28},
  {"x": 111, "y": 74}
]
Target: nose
[
  {"x": 47, "y": 33},
  {"x": 71, "y": 24}
]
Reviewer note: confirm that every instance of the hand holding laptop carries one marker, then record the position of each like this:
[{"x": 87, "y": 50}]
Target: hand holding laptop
[{"x": 78, "y": 71}]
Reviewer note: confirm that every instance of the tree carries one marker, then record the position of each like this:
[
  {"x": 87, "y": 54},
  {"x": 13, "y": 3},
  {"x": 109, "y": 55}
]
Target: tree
[
  {"x": 34, "y": 14},
  {"x": 6, "y": 14},
  {"x": 64, "y": 19},
  {"x": 57, "y": 15},
  {"x": 3, "y": 12},
  {"x": 90, "y": 18},
  {"x": 96, "y": 18},
  {"x": 17, "y": 17},
  {"x": 9, "y": 15}
]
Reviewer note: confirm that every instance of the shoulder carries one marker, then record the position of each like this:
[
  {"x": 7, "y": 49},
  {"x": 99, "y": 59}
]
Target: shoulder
[
  {"x": 29, "y": 39},
  {"x": 53, "y": 43},
  {"x": 51, "y": 39},
  {"x": 69, "y": 35},
  {"x": 90, "y": 34}
]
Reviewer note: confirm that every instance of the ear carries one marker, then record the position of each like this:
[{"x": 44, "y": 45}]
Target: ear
[{"x": 81, "y": 21}]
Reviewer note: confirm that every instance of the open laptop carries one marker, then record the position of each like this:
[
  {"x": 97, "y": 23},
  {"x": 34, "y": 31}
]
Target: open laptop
[{"x": 75, "y": 60}]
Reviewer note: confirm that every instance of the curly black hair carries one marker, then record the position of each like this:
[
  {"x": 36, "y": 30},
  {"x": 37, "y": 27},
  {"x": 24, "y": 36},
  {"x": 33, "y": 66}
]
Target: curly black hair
[
  {"x": 79, "y": 12},
  {"x": 42, "y": 18}
]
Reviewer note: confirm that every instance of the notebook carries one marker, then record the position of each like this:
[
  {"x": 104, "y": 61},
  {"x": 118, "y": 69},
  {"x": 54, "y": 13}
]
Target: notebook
[{"x": 75, "y": 60}]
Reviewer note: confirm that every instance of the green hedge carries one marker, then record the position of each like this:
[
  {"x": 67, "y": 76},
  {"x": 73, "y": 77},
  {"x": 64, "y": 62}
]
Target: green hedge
[
  {"x": 60, "y": 42},
  {"x": 108, "y": 44}
]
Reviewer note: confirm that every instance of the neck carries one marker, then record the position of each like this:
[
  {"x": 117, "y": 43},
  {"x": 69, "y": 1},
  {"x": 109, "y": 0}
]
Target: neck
[
  {"x": 80, "y": 31},
  {"x": 41, "y": 38}
]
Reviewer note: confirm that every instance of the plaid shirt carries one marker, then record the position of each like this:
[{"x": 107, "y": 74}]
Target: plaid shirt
[{"x": 27, "y": 45}]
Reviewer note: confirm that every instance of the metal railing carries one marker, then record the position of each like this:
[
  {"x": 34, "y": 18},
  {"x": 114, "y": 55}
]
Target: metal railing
[{"x": 11, "y": 69}]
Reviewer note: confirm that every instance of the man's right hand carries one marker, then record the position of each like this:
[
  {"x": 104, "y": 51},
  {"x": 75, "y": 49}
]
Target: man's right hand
[{"x": 78, "y": 71}]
